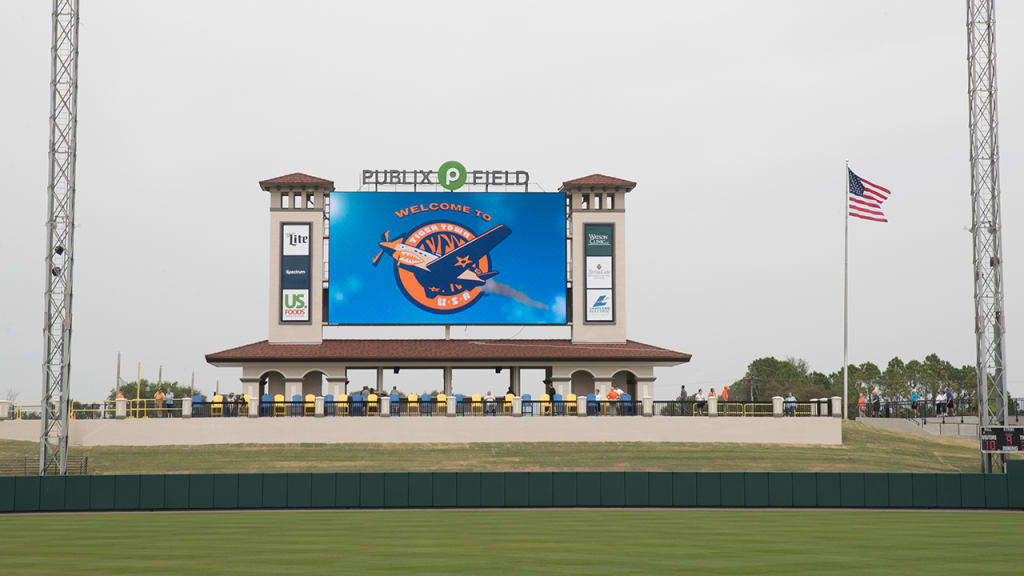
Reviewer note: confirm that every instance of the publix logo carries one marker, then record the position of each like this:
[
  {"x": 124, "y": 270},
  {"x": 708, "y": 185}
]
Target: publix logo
[{"x": 451, "y": 175}]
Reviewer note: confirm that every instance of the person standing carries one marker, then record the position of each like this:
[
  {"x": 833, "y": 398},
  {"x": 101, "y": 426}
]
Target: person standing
[
  {"x": 169, "y": 402},
  {"x": 790, "y": 407},
  {"x": 700, "y": 401},
  {"x": 682, "y": 400},
  {"x": 158, "y": 402}
]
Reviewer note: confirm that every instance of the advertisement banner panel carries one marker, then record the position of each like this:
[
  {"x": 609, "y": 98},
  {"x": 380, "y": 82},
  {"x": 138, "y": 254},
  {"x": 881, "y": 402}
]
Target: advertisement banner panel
[
  {"x": 447, "y": 258},
  {"x": 295, "y": 272},
  {"x": 598, "y": 280}
]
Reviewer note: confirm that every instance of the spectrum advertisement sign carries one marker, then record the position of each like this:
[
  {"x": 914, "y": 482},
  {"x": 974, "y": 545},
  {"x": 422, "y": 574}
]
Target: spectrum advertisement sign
[{"x": 446, "y": 258}]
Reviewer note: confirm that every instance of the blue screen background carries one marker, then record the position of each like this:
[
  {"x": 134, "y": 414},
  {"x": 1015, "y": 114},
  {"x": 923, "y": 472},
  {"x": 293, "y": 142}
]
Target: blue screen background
[{"x": 531, "y": 260}]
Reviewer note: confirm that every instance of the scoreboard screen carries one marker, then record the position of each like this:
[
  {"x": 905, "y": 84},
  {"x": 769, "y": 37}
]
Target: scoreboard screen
[{"x": 1000, "y": 440}]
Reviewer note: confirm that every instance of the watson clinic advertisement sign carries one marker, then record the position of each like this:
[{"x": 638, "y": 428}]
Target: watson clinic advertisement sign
[{"x": 446, "y": 258}]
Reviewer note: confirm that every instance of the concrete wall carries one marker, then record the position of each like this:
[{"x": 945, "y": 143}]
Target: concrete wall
[{"x": 157, "y": 432}]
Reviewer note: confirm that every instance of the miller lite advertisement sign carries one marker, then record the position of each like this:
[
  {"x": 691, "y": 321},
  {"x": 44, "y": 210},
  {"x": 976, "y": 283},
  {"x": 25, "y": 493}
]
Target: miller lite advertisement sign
[
  {"x": 447, "y": 258},
  {"x": 295, "y": 272}
]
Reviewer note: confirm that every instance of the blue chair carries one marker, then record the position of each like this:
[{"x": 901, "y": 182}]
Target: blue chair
[
  {"x": 329, "y": 408},
  {"x": 427, "y": 406},
  {"x": 295, "y": 407},
  {"x": 356, "y": 406},
  {"x": 527, "y": 405},
  {"x": 266, "y": 401},
  {"x": 559, "y": 405},
  {"x": 460, "y": 408},
  {"x": 197, "y": 406},
  {"x": 593, "y": 408},
  {"x": 396, "y": 404},
  {"x": 627, "y": 405}
]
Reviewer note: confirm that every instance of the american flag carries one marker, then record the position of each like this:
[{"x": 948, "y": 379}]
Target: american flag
[{"x": 866, "y": 199}]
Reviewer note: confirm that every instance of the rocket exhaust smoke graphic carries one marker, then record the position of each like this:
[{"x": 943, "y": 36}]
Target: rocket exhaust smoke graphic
[{"x": 494, "y": 287}]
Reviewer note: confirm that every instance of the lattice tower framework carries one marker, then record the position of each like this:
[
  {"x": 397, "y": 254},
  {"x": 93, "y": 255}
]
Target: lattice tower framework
[
  {"x": 60, "y": 231},
  {"x": 986, "y": 229}
]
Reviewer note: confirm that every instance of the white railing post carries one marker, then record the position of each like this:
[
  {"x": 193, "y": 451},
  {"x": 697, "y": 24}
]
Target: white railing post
[
  {"x": 5, "y": 410},
  {"x": 385, "y": 406},
  {"x": 186, "y": 407},
  {"x": 318, "y": 406},
  {"x": 121, "y": 411},
  {"x": 776, "y": 405},
  {"x": 713, "y": 406}
]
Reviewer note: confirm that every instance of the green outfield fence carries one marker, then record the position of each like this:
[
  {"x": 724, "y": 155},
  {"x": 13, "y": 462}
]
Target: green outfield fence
[{"x": 513, "y": 490}]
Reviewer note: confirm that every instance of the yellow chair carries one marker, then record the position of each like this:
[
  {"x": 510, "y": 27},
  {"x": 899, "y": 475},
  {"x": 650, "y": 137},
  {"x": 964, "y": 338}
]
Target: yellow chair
[
  {"x": 442, "y": 403},
  {"x": 217, "y": 408},
  {"x": 341, "y": 405},
  {"x": 309, "y": 405},
  {"x": 545, "y": 405},
  {"x": 476, "y": 405},
  {"x": 412, "y": 404},
  {"x": 279, "y": 407},
  {"x": 506, "y": 408},
  {"x": 248, "y": 405},
  {"x": 371, "y": 405},
  {"x": 570, "y": 404}
]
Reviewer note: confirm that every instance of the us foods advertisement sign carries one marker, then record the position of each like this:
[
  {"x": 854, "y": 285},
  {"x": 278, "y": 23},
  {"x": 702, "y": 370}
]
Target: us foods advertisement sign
[{"x": 446, "y": 258}]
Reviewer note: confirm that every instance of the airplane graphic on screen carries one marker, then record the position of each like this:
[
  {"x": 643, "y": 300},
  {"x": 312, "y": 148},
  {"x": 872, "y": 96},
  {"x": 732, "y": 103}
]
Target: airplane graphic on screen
[{"x": 459, "y": 265}]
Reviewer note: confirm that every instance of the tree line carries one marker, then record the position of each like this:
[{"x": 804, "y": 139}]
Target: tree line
[{"x": 767, "y": 377}]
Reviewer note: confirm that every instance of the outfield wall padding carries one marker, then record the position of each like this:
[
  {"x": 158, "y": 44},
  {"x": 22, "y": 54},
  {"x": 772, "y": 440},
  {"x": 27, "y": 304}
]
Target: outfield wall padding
[{"x": 515, "y": 490}]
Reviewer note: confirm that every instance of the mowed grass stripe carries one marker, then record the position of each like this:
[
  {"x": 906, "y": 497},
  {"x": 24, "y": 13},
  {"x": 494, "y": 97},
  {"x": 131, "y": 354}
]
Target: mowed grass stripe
[
  {"x": 517, "y": 541},
  {"x": 864, "y": 449}
]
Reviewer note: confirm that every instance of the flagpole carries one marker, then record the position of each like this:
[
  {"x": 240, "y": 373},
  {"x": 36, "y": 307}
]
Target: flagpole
[{"x": 846, "y": 285}]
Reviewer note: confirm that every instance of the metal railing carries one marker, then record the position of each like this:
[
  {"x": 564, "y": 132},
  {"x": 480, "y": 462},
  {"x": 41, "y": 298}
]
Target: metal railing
[
  {"x": 734, "y": 409},
  {"x": 29, "y": 465},
  {"x": 959, "y": 410}
]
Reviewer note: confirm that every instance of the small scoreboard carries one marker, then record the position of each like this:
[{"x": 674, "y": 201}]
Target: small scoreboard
[{"x": 1002, "y": 440}]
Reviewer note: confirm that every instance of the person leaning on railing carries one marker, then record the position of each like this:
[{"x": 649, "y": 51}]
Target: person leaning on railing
[{"x": 789, "y": 408}]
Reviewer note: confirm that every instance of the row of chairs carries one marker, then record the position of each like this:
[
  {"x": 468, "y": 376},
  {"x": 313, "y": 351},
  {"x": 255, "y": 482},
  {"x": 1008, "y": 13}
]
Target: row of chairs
[
  {"x": 217, "y": 405},
  {"x": 557, "y": 405},
  {"x": 358, "y": 405}
]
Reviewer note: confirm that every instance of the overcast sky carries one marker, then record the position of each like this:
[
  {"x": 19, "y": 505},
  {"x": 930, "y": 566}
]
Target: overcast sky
[{"x": 734, "y": 118}]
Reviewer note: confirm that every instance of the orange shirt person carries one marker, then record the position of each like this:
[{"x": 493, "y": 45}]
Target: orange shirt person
[
  {"x": 725, "y": 394},
  {"x": 612, "y": 394}
]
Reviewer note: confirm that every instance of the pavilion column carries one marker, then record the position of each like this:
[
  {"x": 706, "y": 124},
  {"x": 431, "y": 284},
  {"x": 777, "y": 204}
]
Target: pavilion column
[
  {"x": 292, "y": 386},
  {"x": 251, "y": 388},
  {"x": 514, "y": 380},
  {"x": 603, "y": 385},
  {"x": 337, "y": 385},
  {"x": 380, "y": 380},
  {"x": 448, "y": 381}
]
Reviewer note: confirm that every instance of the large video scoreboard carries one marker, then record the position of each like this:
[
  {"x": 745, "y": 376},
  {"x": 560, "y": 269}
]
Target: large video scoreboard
[{"x": 1002, "y": 440}]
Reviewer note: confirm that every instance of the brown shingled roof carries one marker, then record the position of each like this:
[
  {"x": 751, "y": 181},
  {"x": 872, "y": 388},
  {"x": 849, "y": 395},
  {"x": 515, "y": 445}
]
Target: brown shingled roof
[
  {"x": 296, "y": 179},
  {"x": 486, "y": 351},
  {"x": 599, "y": 181}
]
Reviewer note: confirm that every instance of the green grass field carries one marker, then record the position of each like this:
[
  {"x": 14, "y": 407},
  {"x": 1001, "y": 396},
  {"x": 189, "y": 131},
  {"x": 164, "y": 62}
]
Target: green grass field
[
  {"x": 516, "y": 541},
  {"x": 864, "y": 449}
]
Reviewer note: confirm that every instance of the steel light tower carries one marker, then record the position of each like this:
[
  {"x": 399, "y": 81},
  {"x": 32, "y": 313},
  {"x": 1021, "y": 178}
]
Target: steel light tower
[
  {"x": 986, "y": 228},
  {"x": 60, "y": 231}
]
